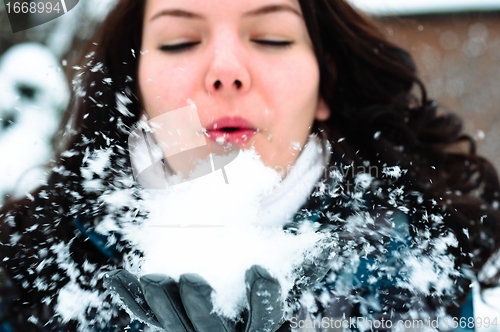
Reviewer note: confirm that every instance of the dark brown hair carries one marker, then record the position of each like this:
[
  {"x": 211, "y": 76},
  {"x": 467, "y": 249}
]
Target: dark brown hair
[{"x": 366, "y": 81}]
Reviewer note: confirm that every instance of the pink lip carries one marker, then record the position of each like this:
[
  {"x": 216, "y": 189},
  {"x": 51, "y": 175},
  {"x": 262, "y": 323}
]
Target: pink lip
[{"x": 234, "y": 130}]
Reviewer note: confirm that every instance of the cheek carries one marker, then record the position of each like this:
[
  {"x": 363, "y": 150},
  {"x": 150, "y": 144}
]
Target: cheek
[
  {"x": 292, "y": 87},
  {"x": 164, "y": 86}
]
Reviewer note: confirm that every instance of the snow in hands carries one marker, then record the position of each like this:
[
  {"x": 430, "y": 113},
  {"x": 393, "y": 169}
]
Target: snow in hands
[{"x": 212, "y": 229}]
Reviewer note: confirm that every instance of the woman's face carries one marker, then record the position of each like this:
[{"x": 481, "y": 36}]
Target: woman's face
[{"x": 248, "y": 65}]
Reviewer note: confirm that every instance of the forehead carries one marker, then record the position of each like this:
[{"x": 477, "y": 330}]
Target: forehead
[{"x": 219, "y": 8}]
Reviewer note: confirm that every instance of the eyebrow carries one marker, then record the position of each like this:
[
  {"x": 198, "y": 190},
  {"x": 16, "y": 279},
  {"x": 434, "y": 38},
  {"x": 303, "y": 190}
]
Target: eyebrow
[
  {"x": 176, "y": 13},
  {"x": 269, "y": 9}
]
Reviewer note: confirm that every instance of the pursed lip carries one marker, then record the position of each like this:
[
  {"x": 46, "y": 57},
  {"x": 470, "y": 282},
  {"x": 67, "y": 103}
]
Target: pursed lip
[{"x": 234, "y": 130}]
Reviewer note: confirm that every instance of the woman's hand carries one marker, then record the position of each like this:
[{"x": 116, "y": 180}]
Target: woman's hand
[{"x": 186, "y": 306}]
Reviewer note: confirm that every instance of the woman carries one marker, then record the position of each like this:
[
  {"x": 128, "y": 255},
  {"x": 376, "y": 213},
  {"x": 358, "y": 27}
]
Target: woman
[{"x": 318, "y": 67}]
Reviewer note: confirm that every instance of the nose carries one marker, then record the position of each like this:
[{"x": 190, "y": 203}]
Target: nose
[{"x": 228, "y": 72}]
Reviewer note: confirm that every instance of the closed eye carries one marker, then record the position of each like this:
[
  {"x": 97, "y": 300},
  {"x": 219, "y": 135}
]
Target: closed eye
[
  {"x": 178, "y": 47},
  {"x": 275, "y": 43}
]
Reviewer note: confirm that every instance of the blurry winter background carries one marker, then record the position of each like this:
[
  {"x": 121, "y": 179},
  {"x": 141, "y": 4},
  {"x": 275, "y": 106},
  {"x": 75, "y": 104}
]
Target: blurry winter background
[
  {"x": 35, "y": 90},
  {"x": 456, "y": 44}
]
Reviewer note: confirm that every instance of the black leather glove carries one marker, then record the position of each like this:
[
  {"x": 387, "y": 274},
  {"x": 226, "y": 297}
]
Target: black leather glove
[{"x": 186, "y": 306}]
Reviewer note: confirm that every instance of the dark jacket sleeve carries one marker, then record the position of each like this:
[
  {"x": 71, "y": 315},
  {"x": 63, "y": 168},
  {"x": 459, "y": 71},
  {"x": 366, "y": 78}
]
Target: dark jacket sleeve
[{"x": 41, "y": 252}]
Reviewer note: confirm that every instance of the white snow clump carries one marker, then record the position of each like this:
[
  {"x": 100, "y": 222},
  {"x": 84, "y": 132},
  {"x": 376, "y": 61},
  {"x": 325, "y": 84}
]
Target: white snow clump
[{"x": 211, "y": 228}]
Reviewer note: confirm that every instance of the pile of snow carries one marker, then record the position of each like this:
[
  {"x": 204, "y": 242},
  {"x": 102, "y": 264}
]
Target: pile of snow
[{"x": 211, "y": 228}]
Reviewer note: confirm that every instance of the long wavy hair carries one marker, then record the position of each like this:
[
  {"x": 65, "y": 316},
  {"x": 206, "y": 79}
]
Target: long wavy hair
[{"x": 377, "y": 103}]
